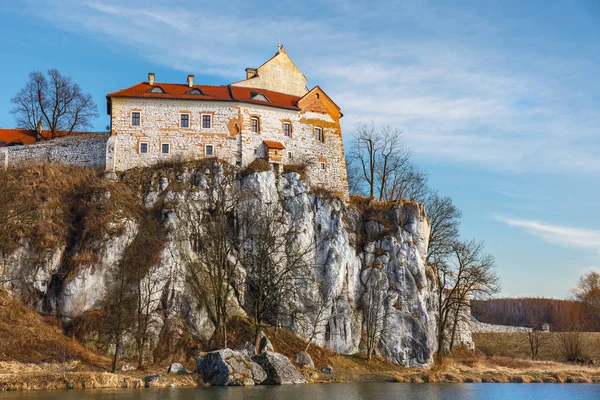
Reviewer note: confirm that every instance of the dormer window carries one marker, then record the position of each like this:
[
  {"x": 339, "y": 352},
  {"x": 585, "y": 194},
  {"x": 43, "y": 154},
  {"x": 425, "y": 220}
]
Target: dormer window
[
  {"x": 259, "y": 96},
  {"x": 195, "y": 91},
  {"x": 157, "y": 89}
]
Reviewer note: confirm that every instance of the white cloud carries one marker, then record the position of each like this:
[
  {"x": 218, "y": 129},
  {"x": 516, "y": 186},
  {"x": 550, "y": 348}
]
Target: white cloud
[
  {"x": 455, "y": 100},
  {"x": 564, "y": 236}
]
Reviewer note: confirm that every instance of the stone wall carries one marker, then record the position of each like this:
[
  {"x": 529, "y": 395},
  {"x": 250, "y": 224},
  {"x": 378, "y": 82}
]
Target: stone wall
[
  {"x": 230, "y": 134},
  {"x": 82, "y": 150},
  {"x": 480, "y": 327}
]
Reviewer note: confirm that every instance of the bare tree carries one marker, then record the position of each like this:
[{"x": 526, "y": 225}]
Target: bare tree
[
  {"x": 373, "y": 304},
  {"x": 536, "y": 340},
  {"x": 444, "y": 219},
  {"x": 379, "y": 165},
  {"x": 212, "y": 264},
  {"x": 588, "y": 292},
  {"x": 275, "y": 262},
  {"x": 467, "y": 273},
  {"x": 56, "y": 101}
]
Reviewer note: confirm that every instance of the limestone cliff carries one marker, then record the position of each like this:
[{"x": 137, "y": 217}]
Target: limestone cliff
[{"x": 361, "y": 252}]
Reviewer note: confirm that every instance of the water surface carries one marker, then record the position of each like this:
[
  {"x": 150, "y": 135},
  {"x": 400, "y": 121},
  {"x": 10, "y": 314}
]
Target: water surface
[{"x": 334, "y": 391}]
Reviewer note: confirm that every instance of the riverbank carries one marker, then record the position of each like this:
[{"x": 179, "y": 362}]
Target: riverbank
[{"x": 21, "y": 376}]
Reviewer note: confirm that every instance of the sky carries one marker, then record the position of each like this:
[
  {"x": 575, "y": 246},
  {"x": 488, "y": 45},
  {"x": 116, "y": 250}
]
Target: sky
[{"x": 499, "y": 101}]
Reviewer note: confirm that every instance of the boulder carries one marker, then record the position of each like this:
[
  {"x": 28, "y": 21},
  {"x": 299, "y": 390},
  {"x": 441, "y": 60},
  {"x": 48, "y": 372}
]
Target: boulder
[
  {"x": 176, "y": 368},
  {"x": 279, "y": 368},
  {"x": 151, "y": 380},
  {"x": 304, "y": 360},
  {"x": 327, "y": 370},
  {"x": 227, "y": 367},
  {"x": 265, "y": 345},
  {"x": 127, "y": 367},
  {"x": 248, "y": 347}
]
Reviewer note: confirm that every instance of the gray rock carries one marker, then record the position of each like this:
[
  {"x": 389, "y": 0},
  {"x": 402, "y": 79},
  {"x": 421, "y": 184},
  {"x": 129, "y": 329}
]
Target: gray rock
[
  {"x": 151, "y": 380},
  {"x": 265, "y": 345},
  {"x": 304, "y": 360},
  {"x": 176, "y": 368},
  {"x": 279, "y": 368},
  {"x": 249, "y": 347},
  {"x": 327, "y": 370},
  {"x": 127, "y": 367},
  {"x": 227, "y": 367}
]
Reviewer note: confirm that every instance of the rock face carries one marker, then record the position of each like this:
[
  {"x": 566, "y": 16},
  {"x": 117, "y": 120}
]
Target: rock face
[
  {"x": 279, "y": 368},
  {"x": 352, "y": 250},
  {"x": 229, "y": 368},
  {"x": 265, "y": 345}
]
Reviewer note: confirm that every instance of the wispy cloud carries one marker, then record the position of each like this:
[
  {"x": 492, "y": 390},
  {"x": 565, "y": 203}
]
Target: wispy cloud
[
  {"x": 565, "y": 236},
  {"x": 455, "y": 99}
]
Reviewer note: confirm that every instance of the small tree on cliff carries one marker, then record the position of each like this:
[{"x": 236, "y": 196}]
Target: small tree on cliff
[
  {"x": 275, "y": 262},
  {"x": 373, "y": 304},
  {"x": 212, "y": 265},
  {"x": 55, "y": 100},
  {"x": 379, "y": 166},
  {"x": 467, "y": 273}
]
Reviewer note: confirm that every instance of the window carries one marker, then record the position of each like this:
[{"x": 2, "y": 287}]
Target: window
[
  {"x": 323, "y": 167},
  {"x": 209, "y": 150},
  {"x": 206, "y": 121},
  {"x": 258, "y": 96},
  {"x": 185, "y": 120},
  {"x": 255, "y": 125},
  {"x": 319, "y": 135},
  {"x": 287, "y": 129},
  {"x": 290, "y": 155},
  {"x": 157, "y": 89},
  {"x": 144, "y": 147},
  {"x": 135, "y": 119},
  {"x": 195, "y": 91},
  {"x": 165, "y": 148},
  {"x": 255, "y": 151}
]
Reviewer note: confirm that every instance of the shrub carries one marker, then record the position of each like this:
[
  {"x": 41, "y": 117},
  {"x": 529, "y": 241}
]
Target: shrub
[{"x": 258, "y": 165}]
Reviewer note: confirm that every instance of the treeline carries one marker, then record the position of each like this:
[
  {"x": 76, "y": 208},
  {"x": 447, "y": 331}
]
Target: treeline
[{"x": 562, "y": 315}]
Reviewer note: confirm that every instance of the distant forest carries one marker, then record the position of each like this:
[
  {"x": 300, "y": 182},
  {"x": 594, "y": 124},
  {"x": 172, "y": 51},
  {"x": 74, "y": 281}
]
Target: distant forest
[{"x": 562, "y": 315}]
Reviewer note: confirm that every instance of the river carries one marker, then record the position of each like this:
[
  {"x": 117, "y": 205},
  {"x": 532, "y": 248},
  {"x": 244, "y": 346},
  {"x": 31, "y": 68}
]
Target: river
[{"x": 339, "y": 391}]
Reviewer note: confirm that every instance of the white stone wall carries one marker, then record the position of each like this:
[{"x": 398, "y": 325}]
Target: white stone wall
[
  {"x": 83, "y": 150},
  {"x": 231, "y": 135},
  {"x": 481, "y": 327}
]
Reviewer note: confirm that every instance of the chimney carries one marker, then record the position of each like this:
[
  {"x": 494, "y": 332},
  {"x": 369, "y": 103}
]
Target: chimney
[
  {"x": 251, "y": 73},
  {"x": 190, "y": 80},
  {"x": 38, "y": 131},
  {"x": 151, "y": 78}
]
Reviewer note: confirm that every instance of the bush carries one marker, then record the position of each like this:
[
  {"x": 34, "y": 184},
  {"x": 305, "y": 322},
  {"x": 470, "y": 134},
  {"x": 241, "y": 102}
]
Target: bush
[{"x": 258, "y": 165}]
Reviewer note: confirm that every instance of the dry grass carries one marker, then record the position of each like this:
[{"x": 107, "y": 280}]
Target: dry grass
[
  {"x": 28, "y": 337},
  {"x": 516, "y": 345}
]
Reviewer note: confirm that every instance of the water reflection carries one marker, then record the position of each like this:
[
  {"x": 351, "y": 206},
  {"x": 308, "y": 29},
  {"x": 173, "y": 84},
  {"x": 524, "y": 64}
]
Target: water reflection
[{"x": 340, "y": 391}]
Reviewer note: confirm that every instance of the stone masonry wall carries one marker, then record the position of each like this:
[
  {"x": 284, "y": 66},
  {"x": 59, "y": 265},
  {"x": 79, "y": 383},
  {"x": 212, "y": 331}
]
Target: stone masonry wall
[
  {"x": 491, "y": 328},
  {"x": 83, "y": 150},
  {"x": 230, "y": 134}
]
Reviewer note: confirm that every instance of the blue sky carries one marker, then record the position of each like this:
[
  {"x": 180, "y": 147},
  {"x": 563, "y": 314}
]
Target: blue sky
[{"x": 500, "y": 102}]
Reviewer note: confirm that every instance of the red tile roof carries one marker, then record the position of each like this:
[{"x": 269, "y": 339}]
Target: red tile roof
[
  {"x": 273, "y": 145},
  {"x": 25, "y": 136},
  {"x": 212, "y": 93}
]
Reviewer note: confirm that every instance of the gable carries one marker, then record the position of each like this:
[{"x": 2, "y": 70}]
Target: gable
[
  {"x": 279, "y": 74},
  {"x": 316, "y": 100}
]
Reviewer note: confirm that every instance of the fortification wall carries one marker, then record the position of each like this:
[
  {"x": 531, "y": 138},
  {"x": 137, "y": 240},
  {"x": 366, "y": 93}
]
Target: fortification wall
[
  {"x": 480, "y": 327},
  {"x": 82, "y": 150}
]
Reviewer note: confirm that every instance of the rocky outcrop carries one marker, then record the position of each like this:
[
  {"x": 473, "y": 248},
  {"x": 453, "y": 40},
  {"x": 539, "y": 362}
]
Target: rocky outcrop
[
  {"x": 279, "y": 368},
  {"x": 304, "y": 360},
  {"x": 350, "y": 246},
  {"x": 229, "y": 368}
]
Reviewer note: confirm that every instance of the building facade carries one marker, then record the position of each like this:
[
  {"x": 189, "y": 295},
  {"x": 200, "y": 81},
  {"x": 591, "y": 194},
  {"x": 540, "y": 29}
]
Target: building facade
[{"x": 271, "y": 114}]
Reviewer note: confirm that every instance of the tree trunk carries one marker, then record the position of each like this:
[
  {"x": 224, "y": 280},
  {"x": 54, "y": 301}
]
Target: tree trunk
[{"x": 116, "y": 356}]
